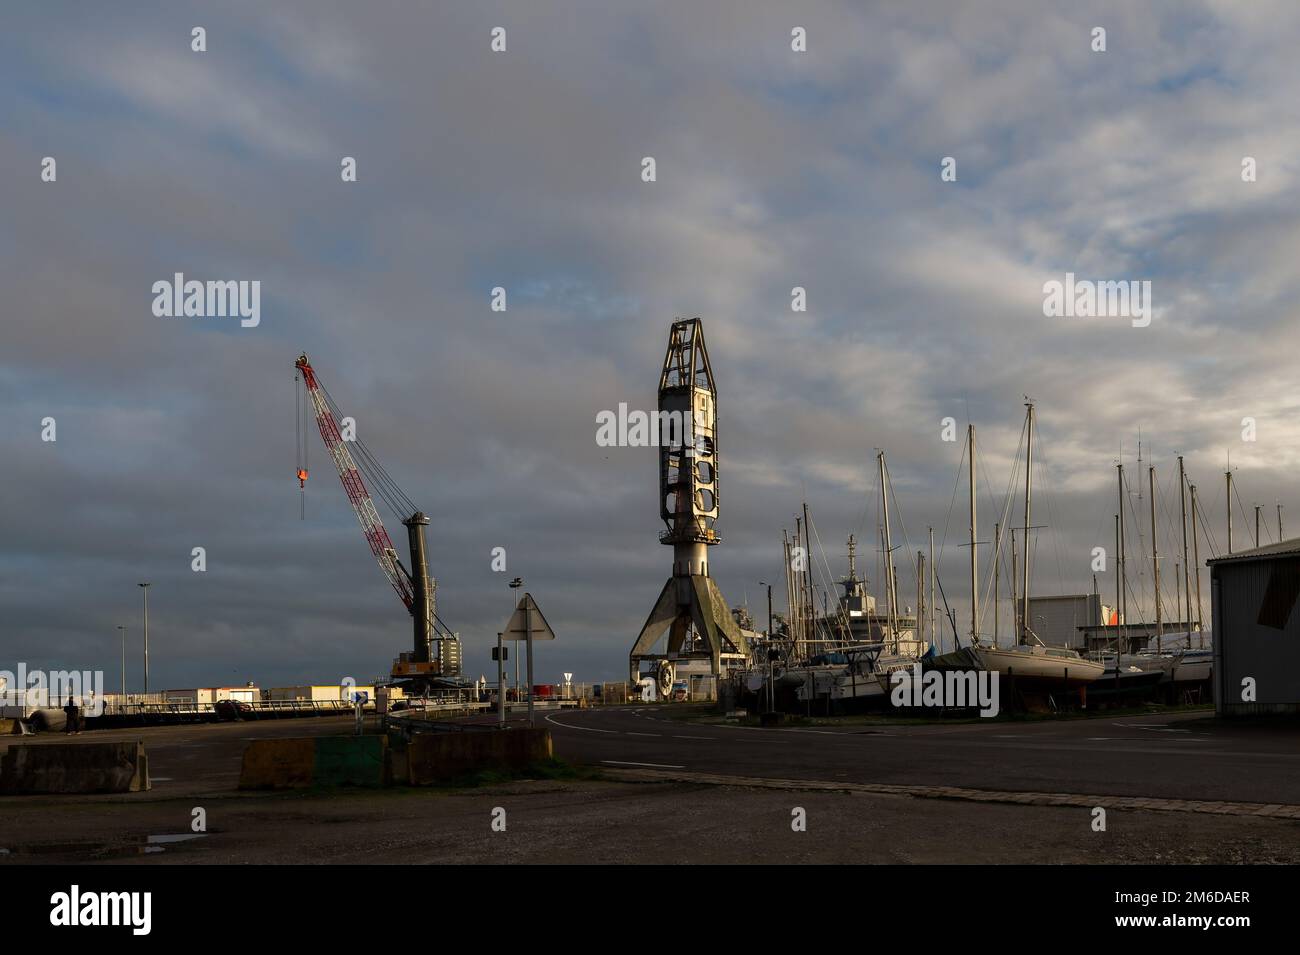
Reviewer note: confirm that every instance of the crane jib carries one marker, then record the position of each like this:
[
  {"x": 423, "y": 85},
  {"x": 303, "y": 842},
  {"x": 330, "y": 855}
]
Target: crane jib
[{"x": 381, "y": 545}]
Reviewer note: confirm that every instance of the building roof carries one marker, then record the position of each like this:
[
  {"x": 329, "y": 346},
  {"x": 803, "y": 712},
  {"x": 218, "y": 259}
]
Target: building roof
[{"x": 1288, "y": 548}]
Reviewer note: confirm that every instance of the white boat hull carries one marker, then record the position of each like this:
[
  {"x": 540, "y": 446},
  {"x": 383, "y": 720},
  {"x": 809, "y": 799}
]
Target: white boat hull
[{"x": 1037, "y": 663}]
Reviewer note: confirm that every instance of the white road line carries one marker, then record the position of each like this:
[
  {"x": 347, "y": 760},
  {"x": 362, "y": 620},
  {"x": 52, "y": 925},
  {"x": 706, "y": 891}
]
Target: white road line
[
  {"x": 620, "y": 762},
  {"x": 570, "y": 726},
  {"x": 781, "y": 729},
  {"x": 643, "y": 734}
]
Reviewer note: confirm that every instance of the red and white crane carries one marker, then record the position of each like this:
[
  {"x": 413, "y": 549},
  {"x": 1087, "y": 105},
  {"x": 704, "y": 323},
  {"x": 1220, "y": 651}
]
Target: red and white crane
[
  {"x": 381, "y": 545},
  {"x": 416, "y": 588}
]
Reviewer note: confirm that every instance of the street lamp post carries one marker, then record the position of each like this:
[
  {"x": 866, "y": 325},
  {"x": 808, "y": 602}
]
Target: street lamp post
[
  {"x": 768, "y": 648},
  {"x": 122, "y": 699},
  {"x": 514, "y": 602},
  {"x": 145, "y": 589}
]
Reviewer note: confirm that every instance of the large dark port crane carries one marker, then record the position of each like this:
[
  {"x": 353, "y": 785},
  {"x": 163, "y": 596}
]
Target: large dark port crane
[{"x": 434, "y": 660}]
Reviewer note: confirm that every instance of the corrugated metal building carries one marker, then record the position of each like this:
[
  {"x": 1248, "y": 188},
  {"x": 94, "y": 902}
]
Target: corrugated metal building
[{"x": 1257, "y": 630}]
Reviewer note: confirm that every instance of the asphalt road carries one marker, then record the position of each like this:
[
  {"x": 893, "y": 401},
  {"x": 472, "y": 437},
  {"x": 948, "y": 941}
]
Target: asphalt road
[
  {"x": 622, "y": 821},
  {"x": 1168, "y": 756}
]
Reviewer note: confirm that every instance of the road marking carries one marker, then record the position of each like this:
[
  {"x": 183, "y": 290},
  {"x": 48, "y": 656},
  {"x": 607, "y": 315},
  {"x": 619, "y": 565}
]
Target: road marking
[
  {"x": 1143, "y": 739},
  {"x": 694, "y": 737},
  {"x": 570, "y": 726},
  {"x": 1077, "y": 800},
  {"x": 630, "y": 733},
  {"x": 619, "y": 762}
]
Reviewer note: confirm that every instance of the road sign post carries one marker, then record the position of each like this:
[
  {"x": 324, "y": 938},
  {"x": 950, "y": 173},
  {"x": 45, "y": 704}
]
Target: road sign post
[
  {"x": 501, "y": 685},
  {"x": 528, "y": 627},
  {"x": 528, "y": 624}
]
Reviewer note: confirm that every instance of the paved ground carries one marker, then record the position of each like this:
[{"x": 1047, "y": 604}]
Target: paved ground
[
  {"x": 848, "y": 781},
  {"x": 1169, "y": 756},
  {"x": 603, "y": 822}
]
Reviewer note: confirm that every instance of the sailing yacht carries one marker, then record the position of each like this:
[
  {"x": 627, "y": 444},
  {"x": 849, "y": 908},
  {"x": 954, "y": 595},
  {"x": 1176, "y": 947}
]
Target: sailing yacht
[
  {"x": 876, "y": 644},
  {"x": 1029, "y": 659}
]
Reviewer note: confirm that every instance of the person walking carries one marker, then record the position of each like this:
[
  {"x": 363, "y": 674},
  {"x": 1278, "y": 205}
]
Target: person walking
[{"x": 73, "y": 713}]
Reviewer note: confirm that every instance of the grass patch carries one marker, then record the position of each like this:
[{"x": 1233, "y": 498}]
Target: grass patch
[{"x": 547, "y": 769}]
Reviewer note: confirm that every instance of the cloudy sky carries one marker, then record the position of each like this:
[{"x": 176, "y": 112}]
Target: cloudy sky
[{"x": 522, "y": 169}]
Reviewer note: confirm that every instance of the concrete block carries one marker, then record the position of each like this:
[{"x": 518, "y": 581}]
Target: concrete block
[
  {"x": 302, "y": 762},
  {"x": 74, "y": 768},
  {"x": 350, "y": 761},
  {"x": 278, "y": 764},
  {"x": 438, "y": 757}
]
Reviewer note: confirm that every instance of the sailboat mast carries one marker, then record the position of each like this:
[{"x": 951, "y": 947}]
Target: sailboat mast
[
  {"x": 796, "y": 578},
  {"x": 974, "y": 554},
  {"x": 889, "y": 553},
  {"x": 898, "y": 613},
  {"x": 810, "y": 598},
  {"x": 933, "y": 635},
  {"x": 997, "y": 565},
  {"x": 1029, "y": 472},
  {"x": 1015, "y": 607},
  {"x": 1123, "y": 568},
  {"x": 1155, "y": 559},
  {"x": 1119, "y": 589},
  {"x": 1196, "y": 555},
  {"x": 1182, "y": 507},
  {"x": 920, "y": 603},
  {"x": 1228, "y": 474}
]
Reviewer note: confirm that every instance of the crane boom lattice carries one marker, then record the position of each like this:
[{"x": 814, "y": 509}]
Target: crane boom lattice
[{"x": 381, "y": 545}]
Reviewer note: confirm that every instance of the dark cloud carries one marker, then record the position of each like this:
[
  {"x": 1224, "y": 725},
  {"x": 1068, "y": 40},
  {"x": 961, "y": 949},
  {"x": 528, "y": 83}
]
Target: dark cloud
[{"x": 522, "y": 170}]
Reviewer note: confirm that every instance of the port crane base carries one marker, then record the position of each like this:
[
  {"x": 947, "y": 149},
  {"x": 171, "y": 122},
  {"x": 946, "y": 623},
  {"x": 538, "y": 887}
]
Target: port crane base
[{"x": 683, "y": 604}]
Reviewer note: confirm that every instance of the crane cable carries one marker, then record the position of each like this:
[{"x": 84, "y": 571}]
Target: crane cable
[
  {"x": 398, "y": 502},
  {"x": 300, "y": 449}
]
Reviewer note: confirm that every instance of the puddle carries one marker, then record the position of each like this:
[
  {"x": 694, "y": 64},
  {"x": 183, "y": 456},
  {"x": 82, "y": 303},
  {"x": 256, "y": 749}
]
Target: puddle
[
  {"x": 135, "y": 846},
  {"x": 174, "y": 837}
]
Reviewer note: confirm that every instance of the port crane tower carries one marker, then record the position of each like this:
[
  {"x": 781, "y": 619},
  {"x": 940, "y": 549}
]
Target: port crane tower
[{"x": 434, "y": 660}]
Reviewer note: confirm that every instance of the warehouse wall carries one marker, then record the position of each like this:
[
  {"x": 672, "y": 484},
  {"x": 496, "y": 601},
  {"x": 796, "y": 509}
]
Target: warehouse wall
[
  {"x": 1257, "y": 635},
  {"x": 1061, "y": 618}
]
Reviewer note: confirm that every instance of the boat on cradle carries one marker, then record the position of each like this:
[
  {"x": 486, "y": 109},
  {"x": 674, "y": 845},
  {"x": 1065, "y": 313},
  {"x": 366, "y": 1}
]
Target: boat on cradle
[
  {"x": 1029, "y": 660},
  {"x": 1032, "y": 662},
  {"x": 1122, "y": 679},
  {"x": 863, "y": 681},
  {"x": 1052, "y": 666},
  {"x": 1185, "y": 658}
]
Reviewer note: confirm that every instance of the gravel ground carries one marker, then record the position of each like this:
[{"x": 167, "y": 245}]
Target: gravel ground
[{"x": 615, "y": 822}]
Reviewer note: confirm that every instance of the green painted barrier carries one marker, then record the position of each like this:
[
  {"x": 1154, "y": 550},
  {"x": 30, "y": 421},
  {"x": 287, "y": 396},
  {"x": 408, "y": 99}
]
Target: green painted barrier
[
  {"x": 350, "y": 761},
  {"x": 302, "y": 762}
]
